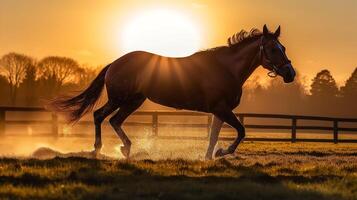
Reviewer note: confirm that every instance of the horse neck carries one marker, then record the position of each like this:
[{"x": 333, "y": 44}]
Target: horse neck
[{"x": 245, "y": 60}]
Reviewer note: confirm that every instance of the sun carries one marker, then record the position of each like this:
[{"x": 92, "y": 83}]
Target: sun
[{"x": 164, "y": 32}]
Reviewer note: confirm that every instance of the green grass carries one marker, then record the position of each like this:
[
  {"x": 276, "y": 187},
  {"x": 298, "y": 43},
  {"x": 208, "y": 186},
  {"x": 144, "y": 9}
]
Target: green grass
[{"x": 257, "y": 171}]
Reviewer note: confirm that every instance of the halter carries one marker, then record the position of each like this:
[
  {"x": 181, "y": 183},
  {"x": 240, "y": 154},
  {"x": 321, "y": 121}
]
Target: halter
[{"x": 274, "y": 69}]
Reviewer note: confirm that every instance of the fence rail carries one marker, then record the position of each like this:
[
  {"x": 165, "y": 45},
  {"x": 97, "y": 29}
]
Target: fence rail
[{"x": 155, "y": 124}]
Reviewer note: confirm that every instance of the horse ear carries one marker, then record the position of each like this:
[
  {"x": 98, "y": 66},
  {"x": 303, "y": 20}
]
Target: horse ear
[
  {"x": 277, "y": 32},
  {"x": 265, "y": 30}
]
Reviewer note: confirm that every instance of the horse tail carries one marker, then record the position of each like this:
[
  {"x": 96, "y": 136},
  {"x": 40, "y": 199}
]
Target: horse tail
[{"x": 77, "y": 106}]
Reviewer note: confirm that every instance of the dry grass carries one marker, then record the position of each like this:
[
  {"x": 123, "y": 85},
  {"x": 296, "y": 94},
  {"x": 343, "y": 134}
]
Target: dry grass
[{"x": 257, "y": 171}]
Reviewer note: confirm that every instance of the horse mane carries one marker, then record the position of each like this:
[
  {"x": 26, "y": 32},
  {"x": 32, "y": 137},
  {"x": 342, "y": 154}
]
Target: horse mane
[
  {"x": 243, "y": 36},
  {"x": 237, "y": 39}
]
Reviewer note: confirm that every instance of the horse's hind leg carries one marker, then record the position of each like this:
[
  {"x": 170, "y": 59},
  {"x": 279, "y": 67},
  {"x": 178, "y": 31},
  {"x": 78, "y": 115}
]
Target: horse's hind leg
[
  {"x": 117, "y": 120},
  {"x": 99, "y": 115}
]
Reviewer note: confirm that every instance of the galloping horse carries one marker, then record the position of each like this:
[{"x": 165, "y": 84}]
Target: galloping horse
[{"x": 208, "y": 81}]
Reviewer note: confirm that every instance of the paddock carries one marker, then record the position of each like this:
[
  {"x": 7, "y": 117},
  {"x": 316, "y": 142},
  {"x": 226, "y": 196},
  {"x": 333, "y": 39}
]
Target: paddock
[
  {"x": 283, "y": 157},
  {"x": 258, "y": 170}
]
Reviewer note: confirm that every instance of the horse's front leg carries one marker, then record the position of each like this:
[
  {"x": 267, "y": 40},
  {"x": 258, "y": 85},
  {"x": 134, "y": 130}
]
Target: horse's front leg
[
  {"x": 213, "y": 136},
  {"x": 230, "y": 118}
]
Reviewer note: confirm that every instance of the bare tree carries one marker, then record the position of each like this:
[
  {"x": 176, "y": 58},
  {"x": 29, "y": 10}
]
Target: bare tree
[
  {"x": 14, "y": 67},
  {"x": 58, "y": 70},
  {"x": 86, "y": 75}
]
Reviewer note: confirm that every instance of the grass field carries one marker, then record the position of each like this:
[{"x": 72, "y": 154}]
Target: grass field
[{"x": 257, "y": 171}]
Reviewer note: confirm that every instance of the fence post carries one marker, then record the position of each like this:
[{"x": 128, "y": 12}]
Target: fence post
[
  {"x": 293, "y": 130},
  {"x": 335, "y": 131},
  {"x": 209, "y": 122},
  {"x": 2, "y": 122},
  {"x": 155, "y": 123},
  {"x": 54, "y": 124}
]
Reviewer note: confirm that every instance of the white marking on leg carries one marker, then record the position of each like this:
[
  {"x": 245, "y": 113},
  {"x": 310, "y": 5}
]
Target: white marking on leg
[{"x": 213, "y": 136}]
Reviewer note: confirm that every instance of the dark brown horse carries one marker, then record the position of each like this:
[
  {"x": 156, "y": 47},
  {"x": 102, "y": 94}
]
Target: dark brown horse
[{"x": 208, "y": 81}]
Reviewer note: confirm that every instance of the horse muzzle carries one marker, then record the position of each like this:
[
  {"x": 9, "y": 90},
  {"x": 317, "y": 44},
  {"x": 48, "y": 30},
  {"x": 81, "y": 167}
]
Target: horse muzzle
[{"x": 288, "y": 73}]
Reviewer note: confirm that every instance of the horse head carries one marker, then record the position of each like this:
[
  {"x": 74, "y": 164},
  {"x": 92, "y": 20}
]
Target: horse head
[{"x": 273, "y": 56}]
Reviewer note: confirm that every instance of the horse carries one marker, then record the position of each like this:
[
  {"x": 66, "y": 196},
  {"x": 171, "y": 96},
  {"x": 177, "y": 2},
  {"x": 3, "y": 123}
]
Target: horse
[{"x": 208, "y": 81}]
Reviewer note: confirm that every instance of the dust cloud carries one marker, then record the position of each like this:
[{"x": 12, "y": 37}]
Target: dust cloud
[
  {"x": 145, "y": 147},
  {"x": 31, "y": 140}
]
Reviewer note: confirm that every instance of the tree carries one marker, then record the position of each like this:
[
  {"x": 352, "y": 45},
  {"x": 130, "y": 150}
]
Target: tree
[
  {"x": 324, "y": 85},
  {"x": 273, "y": 95},
  {"x": 29, "y": 85},
  {"x": 87, "y": 75},
  {"x": 4, "y": 89},
  {"x": 56, "y": 71},
  {"x": 14, "y": 66},
  {"x": 350, "y": 88}
]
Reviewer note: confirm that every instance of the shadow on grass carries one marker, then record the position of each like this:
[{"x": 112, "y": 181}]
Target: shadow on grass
[{"x": 138, "y": 180}]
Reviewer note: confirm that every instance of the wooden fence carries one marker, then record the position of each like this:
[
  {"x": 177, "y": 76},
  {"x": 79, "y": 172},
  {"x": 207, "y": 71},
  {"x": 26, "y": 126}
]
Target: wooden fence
[{"x": 334, "y": 127}]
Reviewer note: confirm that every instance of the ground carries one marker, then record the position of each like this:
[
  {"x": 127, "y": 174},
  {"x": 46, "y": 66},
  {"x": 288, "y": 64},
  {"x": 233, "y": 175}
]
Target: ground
[{"x": 258, "y": 170}]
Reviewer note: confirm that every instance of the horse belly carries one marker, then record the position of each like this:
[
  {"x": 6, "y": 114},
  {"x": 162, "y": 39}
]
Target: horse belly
[{"x": 178, "y": 98}]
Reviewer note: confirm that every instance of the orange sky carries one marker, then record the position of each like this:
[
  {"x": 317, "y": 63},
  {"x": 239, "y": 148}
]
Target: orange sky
[{"x": 318, "y": 34}]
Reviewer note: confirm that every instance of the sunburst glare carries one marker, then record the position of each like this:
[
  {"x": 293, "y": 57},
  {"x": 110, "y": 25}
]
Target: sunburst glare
[{"x": 165, "y": 32}]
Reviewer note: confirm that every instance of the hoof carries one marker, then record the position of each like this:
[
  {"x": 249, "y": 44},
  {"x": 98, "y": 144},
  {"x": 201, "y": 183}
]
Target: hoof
[
  {"x": 96, "y": 153},
  {"x": 219, "y": 153},
  {"x": 207, "y": 157},
  {"x": 125, "y": 151}
]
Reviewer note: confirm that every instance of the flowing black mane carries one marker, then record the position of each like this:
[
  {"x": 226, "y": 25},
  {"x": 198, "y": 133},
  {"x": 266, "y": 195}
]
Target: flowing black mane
[
  {"x": 236, "y": 40},
  {"x": 243, "y": 36}
]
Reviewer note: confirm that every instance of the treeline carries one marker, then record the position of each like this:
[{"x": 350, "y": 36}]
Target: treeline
[
  {"x": 26, "y": 81},
  {"x": 324, "y": 97}
]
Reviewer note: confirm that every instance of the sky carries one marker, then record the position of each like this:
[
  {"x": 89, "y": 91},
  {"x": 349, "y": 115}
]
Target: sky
[{"x": 318, "y": 34}]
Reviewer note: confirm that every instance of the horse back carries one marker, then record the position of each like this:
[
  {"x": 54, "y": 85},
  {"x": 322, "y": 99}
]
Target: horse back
[{"x": 196, "y": 82}]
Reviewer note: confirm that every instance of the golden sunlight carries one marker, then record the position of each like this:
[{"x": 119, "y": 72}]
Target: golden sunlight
[{"x": 164, "y": 32}]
